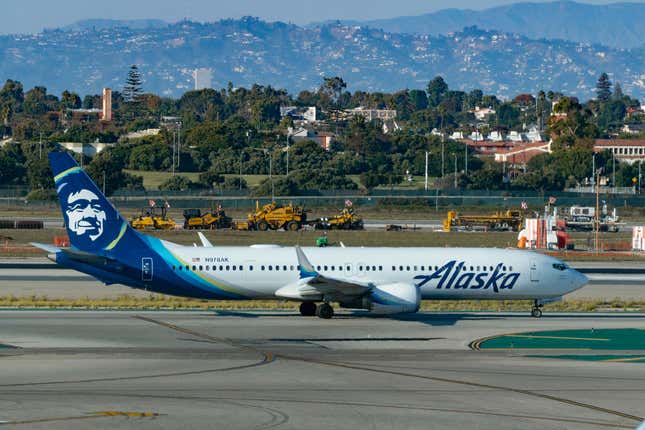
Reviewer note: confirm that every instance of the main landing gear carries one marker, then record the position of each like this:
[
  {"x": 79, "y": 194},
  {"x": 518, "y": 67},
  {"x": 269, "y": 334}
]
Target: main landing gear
[
  {"x": 536, "y": 312},
  {"x": 323, "y": 310}
]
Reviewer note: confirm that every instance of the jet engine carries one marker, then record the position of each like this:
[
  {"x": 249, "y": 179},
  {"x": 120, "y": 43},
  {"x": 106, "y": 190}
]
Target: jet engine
[{"x": 386, "y": 299}]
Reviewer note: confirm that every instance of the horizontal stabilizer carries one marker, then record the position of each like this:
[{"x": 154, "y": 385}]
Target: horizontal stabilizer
[{"x": 49, "y": 248}]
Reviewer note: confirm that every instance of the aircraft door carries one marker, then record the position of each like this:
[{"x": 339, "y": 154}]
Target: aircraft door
[
  {"x": 533, "y": 270},
  {"x": 146, "y": 269}
]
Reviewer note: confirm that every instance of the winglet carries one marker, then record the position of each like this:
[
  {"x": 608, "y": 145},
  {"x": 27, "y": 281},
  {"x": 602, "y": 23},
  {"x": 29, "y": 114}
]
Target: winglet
[
  {"x": 205, "y": 242},
  {"x": 307, "y": 270}
]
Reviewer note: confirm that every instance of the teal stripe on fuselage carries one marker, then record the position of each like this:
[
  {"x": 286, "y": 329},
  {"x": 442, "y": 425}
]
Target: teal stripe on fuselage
[{"x": 189, "y": 277}]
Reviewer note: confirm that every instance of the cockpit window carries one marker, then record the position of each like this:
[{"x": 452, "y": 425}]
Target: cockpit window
[{"x": 560, "y": 266}]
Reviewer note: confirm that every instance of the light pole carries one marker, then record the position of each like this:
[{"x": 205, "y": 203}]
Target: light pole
[
  {"x": 266, "y": 151},
  {"x": 287, "y": 154},
  {"x": 455, "y": 156},
  {"x": 426, "y": 175}
]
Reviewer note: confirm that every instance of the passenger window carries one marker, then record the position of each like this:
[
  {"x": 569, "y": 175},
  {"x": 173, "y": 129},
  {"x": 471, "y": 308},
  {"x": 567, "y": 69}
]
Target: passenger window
[
  {"x": 349, "y": 268},
  {"x": 478, "y": 268},
  {"x": 491, "y": 268},
  {"x": 394, "y": 268},
  {"x": 221, "y": 268},
  {"x": 333, "y": 268},
  {"x": 194, "y": 268},
  {"x": 510, "y": 268},
  {"x": 373, "y": 268},
  {"x": 234, "y": 267},
  {"x": 284, "y": 268},
  {"x": 277, "y": 268},
  {"x": 401, "y": 268},
  {"x": 415, "y": 268},
  {"x": 270, "y": 267},
  {"x": 173, "y": 267},
  {"x": 360, "y": 268},
  {"x": 187, "y": 267},
  {"x": 262, "y": 267},
  {"x": 291, "y": 268},
  {"x": 318, "y": 268},
  {"x": 504, "y": 267},
  {"x": 436, "y": 267},
  {"x": 423, "y": 268},
  {"x": 407, "y": 268},
  {"x": 380, "y": 268},
  {"x": 201, "y": 268},
  {"x": 251, "y": 268},
  {"x": 228, "y": 268}
]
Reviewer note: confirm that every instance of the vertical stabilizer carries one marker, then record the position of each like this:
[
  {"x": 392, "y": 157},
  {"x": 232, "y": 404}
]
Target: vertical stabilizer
[{"x": 92, "y": 223}]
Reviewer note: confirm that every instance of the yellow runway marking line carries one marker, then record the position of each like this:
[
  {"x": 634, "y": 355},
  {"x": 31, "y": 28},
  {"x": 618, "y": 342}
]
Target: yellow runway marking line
[
  {"x": 555, "y": 337},
  {"x": 622, "y": 360}
]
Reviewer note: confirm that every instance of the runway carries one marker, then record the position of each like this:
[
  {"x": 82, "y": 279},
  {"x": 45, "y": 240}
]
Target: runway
[{"x": 260, "y": 370}]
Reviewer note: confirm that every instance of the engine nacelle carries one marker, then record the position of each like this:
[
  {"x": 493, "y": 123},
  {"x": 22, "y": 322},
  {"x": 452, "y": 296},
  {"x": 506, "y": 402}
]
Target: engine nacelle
[{"x": 396, "y": 298}]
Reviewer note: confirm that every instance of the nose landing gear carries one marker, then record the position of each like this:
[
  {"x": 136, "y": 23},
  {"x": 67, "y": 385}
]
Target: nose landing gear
[{"x": 536, "y": 312}]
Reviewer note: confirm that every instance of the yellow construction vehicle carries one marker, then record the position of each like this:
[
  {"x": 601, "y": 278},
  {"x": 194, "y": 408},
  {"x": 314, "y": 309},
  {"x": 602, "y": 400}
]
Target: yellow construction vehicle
[
  {"x": 274, "y": 216},
  {"x": 509, "y": 220},
  {"x": 345, "y": 220},
  {"x": 194, "y": 219},
  {"x": 149, "y": 220}
]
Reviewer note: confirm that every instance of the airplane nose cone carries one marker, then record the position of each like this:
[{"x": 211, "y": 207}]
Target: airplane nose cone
[{"x": 579, "y": 280}]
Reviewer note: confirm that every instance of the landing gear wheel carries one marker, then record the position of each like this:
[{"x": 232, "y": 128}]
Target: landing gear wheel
[
  {"x": 324, "y": 311},
  {"x": 307, "y": 309},
  {"x": 536, "y": 312}
]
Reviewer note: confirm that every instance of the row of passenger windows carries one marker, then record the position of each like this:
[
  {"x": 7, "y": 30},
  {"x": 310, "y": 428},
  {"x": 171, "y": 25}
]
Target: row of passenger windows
[{"x": 291, "y": 268}]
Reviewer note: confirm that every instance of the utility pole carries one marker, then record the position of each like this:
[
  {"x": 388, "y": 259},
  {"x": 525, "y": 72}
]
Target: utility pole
[
  {"x": 40, "y": 147},
  {"x": 442, "y": 148},
  {"x": 455, "y": 155},
  {"x": 241, "y": 155},
  {"x": 613, "y": 173},
  {"x": 593, "y": 169},
  {"x": 287, "y": 154},
  {"x": 466, "y": 157},
  {"x": 597, "y": 209},
  {"x": 426, "y": 175}
]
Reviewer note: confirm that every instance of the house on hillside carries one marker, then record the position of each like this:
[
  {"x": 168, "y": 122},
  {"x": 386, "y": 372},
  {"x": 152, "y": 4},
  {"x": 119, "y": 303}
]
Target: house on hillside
[
  {"x": 323, "y": 139},
  {"x": 520, "y": 154}
]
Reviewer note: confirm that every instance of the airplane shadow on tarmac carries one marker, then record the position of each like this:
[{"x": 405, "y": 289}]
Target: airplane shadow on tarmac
[{"x": 432, "y": 319}]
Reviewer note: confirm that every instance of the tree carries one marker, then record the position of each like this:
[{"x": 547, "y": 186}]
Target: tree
[
  {"x": 437, "y": 88},
  {"x": 332, "y": 88},
  {"x": 603, "y": 88},
  {"x": 70, "y": 100},
  {"x": 132, "y": 90},
  {"x": 176, "y": 183},
  {"x": 618, "y": 92}
]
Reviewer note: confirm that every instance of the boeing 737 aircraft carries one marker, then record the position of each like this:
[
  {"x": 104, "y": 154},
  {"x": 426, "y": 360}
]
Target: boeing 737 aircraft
[{"x": 381, "y": 280}]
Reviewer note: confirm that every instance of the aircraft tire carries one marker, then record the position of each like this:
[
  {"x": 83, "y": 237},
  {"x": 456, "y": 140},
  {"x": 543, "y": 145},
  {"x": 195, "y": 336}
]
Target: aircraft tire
[
  {"x": 536, "y": 312},
  {"x": 307, "y": 309},
  {"x": 324, "y": 311}
]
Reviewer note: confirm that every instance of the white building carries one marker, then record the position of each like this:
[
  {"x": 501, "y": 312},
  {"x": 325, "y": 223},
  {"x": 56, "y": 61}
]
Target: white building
[
  {"x": 203, "y": 78},
  {"x": 371, "y": 114},
  {"x": 482, "y": 113}
]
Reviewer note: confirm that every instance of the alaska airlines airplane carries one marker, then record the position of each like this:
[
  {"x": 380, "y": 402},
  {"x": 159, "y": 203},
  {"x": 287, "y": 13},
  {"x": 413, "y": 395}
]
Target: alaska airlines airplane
[{"x": 381, "y": 280}]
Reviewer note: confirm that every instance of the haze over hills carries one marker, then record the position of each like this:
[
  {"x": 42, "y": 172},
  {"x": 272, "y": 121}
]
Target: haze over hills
[
  {"x": 248, "y": 51},
  {"x": 102, "y": 24},
  {"x": 618, "y": 25}
]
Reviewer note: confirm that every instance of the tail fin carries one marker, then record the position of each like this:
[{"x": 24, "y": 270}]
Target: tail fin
[{"x": 92, "y": 223}]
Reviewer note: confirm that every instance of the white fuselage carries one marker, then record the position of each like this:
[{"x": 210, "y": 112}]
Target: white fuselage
[{"x": 440, "y": 273}]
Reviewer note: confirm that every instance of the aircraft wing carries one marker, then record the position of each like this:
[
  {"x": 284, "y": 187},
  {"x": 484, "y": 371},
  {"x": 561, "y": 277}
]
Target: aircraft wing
[{"x": 314, "y": 286}]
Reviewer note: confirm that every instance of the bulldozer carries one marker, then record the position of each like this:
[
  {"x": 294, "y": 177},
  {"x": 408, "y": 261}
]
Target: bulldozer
[
  {"x": 149, "y": 220},
  {"x": 215, "y": 219},
  {"x": 345, "y": 220},
  {"x": 273, "y": 216}
]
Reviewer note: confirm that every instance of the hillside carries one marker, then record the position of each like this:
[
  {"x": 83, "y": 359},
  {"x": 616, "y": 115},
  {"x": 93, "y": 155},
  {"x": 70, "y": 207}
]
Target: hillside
[
  {"x": 619, "y": 25},
  {"x": 249, "y": 51}
]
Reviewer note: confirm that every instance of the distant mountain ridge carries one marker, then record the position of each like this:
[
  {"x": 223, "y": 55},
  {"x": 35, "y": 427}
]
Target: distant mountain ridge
[
  {"x": 102, "y": 24},
  {"x": 248, "y": 51},
  {"x": 618, "y": 25}
]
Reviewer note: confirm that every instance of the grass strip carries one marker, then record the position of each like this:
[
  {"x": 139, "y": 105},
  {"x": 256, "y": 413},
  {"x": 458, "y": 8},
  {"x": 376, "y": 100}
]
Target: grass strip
[{"x": 162, "y": 302}]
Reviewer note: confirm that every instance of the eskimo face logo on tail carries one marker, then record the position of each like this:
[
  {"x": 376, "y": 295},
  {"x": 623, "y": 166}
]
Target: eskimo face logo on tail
[{"x": 85, "y": 216}]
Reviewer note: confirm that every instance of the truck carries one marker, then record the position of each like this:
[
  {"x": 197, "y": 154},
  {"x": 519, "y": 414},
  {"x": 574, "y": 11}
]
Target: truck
[
  {"x": 583, "y": 218},
  {"x": 508, "y": 220},
  {"x": 194, "y": 219},
  {"x": 150, "y": 220},
  {"x": 274, "y": 216},
  {"x": 347, "y": 219}
]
